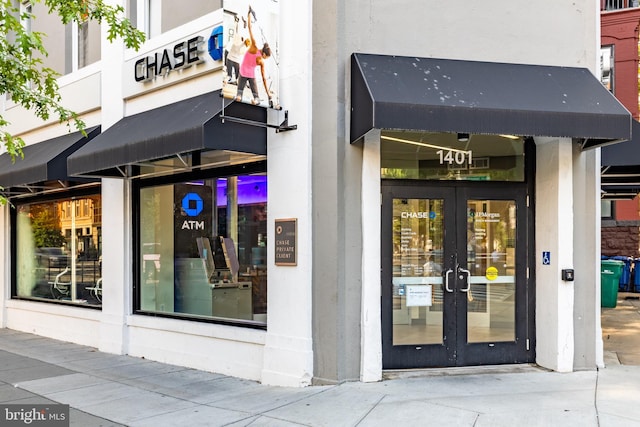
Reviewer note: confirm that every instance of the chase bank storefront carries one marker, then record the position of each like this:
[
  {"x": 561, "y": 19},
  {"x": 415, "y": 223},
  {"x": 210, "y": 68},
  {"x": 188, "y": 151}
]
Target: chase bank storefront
[{"x": 440, "y": 212}]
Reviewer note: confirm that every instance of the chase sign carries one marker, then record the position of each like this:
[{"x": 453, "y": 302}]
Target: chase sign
[{"x": 192, "y": 204}]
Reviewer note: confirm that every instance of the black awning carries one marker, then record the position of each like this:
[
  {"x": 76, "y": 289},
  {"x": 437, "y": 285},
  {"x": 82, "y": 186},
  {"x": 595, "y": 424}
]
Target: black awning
[
  {"x": 187, "y": 126},
  {"x": 620, "y": 172},
  {"x": 625, "y": 153},
  {"x": 44, "y": 161},
  {"x": 443, "y": 95}
]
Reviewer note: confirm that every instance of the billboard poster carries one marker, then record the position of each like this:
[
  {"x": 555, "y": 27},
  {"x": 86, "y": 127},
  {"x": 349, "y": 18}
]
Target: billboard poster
[{"x": 251, "y": 46}]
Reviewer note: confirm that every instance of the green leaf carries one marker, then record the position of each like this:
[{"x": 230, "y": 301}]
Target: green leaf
[{"x": 25, "y": 80}]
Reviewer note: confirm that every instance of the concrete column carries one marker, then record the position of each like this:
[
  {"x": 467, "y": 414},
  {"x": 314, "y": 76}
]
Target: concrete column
[
  {"x": 554, "y": 234},
  {"x": 116, "y": 207},
  {"x": 112, "y": 54},
  {"x": 371, "y": 359},
  {"x": 116, "y": 266},
  {"x": 588, "y": 331},
  {"x": 288, "y": 352},
  {"x": 337, "y": 241}
]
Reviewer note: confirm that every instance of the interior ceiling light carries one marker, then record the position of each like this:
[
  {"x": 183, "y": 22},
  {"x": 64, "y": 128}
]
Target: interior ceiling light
[
  {"x": 421, "y": 144},
  {"x": 463, "y": 137}
]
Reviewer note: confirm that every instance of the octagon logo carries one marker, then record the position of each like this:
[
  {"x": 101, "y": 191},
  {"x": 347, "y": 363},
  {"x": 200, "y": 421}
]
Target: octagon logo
[{"x": 192, "y": 204}]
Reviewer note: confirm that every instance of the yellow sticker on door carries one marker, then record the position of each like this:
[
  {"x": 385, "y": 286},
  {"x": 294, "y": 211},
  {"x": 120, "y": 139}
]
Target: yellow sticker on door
[{"x": 492, "y": 273}]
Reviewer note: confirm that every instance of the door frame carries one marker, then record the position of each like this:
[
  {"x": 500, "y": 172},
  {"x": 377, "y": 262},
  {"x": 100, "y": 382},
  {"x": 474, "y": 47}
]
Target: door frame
[{"x": 454, "y": 350}]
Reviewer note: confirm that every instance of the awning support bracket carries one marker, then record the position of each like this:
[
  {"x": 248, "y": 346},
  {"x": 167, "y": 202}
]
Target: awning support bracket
[
  {"x": 285, "y": 126},
  {"x": 282, "y": 127}
]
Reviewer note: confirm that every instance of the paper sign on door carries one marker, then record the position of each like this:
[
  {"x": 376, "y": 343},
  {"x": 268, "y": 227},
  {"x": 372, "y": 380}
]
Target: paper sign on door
[{"x": 418, "y": 295}]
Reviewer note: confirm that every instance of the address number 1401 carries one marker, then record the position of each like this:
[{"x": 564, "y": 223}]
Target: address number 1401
[{"x": 457, "y": 157}]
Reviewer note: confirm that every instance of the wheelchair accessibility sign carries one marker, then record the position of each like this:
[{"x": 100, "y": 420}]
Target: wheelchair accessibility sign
[{"x": 546, "y": 258}]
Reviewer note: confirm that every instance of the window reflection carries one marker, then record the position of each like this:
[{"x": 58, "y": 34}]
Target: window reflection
[
  {"x": 491, "y": 249},
  {"x": 418, "y": 244},
  {"x": 59, "y": 245},
  {"x": 446, "y": 156}
]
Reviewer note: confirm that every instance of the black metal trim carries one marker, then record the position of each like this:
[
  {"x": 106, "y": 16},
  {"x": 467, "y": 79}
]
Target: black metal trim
[{"x": 282, "y": 127}]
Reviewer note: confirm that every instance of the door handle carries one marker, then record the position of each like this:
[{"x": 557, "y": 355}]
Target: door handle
[
  {"x": 468, "y": 273},
  {"x": 446, "y": 280}
]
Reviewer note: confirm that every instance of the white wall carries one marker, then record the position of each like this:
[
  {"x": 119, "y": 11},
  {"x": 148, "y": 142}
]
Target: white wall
[
  {"x": 117, "y": 266},
  {"x": 288, "y": 357},
  {"x": 80, "y": 93},
  {"x": 554, "y": 234},
  {"x": 223, "y": 349},
  {"x": 541, "y": 32},
  {"x": 71, "y": 324},
  {"x": 199, "y": 27}
]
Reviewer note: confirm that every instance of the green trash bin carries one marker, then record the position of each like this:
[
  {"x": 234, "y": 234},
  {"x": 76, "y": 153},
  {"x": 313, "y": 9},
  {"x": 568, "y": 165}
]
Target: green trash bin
[{"x": 610, "y": 271}]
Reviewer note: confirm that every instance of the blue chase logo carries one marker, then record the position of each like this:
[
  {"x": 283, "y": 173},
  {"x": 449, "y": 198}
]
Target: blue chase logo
[{"x": 192, "y": 205}]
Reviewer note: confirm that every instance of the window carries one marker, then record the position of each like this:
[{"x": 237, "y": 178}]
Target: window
[
  {"x": 617, "y": 4},
  {"x": 26, "y": 10},
  {"x": 57, "y": 256},
  {"x": 451, "y": 156},
  {"x": 159, "y": 16},
  {"x": 202, "y": 246},
  {"x": 607, "y": 66},
  {"x": 70, "y": 47},
  {"x": 86, "y": 49},
  {"x": 607, "y": 209}
]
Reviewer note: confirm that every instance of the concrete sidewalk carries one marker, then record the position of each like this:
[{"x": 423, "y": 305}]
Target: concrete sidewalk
[
  {"x": 621, "y": 330},
  {"x": 108, "y": 390}
]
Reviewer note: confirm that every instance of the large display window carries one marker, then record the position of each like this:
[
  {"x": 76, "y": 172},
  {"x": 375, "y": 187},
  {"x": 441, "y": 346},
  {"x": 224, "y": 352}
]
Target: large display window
[
  {"x": 57, "y": 250},
  {"x": 201, "y": 248}
]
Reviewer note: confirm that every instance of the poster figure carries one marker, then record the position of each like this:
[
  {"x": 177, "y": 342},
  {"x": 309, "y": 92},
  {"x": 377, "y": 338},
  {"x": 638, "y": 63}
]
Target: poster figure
[
  {"x": 253, "y": 58},
  {"x": 251, "y": 73},
  {"x": 234, "y": 53}
]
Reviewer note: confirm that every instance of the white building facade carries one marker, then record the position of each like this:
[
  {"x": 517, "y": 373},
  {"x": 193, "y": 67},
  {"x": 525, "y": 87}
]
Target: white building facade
[{"x": 423, "y": 198}]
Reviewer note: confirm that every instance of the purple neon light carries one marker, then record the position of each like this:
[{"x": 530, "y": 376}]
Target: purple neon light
[{"x": 251, "y": 189}]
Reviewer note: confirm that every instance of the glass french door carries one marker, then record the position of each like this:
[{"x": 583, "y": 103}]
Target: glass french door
[{"x": 454, "y": 281}]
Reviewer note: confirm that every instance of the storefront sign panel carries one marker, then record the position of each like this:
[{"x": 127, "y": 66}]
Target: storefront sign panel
[{"x": 285, "y": 242}]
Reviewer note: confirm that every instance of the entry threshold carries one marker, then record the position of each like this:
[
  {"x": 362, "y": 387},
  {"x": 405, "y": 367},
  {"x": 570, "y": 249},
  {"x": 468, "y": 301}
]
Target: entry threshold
[{"x": 393, "y": 374}]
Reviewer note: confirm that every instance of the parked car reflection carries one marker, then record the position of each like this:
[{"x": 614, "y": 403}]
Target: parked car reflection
[{"x": 52, "y": 258}]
